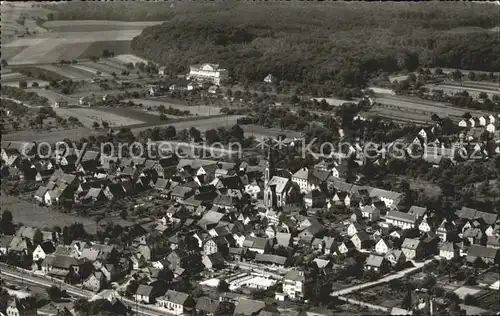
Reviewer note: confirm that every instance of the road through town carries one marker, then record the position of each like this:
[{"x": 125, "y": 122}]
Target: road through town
[{"x": 29, "y": 277}]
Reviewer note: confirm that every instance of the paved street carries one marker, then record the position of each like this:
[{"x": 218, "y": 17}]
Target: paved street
[
  {"x": 398, "y": 275},
  {"x": 29, "y": 278}
]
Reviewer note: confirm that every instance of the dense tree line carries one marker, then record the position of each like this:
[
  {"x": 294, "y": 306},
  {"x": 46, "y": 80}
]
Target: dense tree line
[{"x": 326, "y": 44}]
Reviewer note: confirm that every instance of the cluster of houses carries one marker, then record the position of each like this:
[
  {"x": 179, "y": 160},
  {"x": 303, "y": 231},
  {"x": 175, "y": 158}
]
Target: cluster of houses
[{"x": 219, "y": 212}]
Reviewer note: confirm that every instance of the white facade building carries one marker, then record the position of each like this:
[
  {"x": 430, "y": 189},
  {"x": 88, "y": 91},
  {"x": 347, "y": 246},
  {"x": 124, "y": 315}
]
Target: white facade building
[{"x": 207, "y": 72}]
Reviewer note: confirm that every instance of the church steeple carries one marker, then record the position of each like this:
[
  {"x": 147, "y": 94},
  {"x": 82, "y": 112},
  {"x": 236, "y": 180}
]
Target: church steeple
[{"x": 270, "y": 165}]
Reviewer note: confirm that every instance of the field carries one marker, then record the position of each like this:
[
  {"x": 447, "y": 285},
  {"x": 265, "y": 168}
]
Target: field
[
  {"x": 137, "y": 114},
  {"x": 95, "y": 25},
  {"x": 399, "y": 115},
  {"x": 200, "y": 110},
  {"x": 117, "y": 47},
  {"x": 31, "y": 214},
  {"x": 52, "y": 136},
  {"x": 74, "y": 40},
  {"x": 201, "y": 124},
  {"x": 11, "y": 12},
  {"x": 424, "y": 106},
  {"x": 88, "y": 116},
  {"x": 259, "y": 131},
  {"x": 127, "y": 58}
]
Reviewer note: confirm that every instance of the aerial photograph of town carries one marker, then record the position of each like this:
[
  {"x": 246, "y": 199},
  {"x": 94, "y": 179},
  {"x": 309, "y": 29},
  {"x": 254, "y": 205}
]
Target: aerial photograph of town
[{"x": 250, "y": 158}]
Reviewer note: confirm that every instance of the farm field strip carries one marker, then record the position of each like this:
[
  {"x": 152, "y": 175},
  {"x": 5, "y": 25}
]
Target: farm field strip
[
  {"x": 50, "y": 136},
  {"x": 112, "y": 62},
  {"x": 469, "y": 88},
  {"x": 400, "y": 115},
  {"x": 12, "y": 76},
  {"x": 128, "y": 58},
  {"x": 202, "y": 124},
  {"x": 90, "y": 115},
  {"x": 201, "y": 110},
  {"x": 137, "y": 114},
  {"x": 91, "y": 71},
  {"x": 102, "y": 68},
  {"x": 69, "y": 51},
  {"x": 62, "y": 72},
  {"x": 9, "y": 52},
  {"x": 68, "y": 23},
  {"x": 423, "y": 105}
]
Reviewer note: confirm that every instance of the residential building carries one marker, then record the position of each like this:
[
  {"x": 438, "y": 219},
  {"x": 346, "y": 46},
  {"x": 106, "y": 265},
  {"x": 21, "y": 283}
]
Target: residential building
[
  {"x": 207, "y": 72},
  {"x": 370, "y": 212},
  {"x": 177, "y": 303},
  {"x": 294, "y": 284},
  {"x": 400, "y": 219},
  {"x": 377, "y": 264},
  {"x": 412, "y": 248},
  {"x": 17, "y": 307},
  {"x": 486, "y": 254},
  {"x": 448, "y": 251}
]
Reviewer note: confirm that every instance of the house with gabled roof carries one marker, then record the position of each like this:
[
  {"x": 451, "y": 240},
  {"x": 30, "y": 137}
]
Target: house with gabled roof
[
  {"x": 412, "y": 248},
  {"x": 396, "y": 257},
  {"x": 383, "y": 246},
  {"x": 377, "y": 264},
  {"x": 361, "y": 240},
  {"x": 177, "y": 303},
  {"x": 486, "y": 254},
  {"x": 448, "y": 251},
  {"x": 390, "y": 198},
  {"x": 400, "y": 219},
  {"x": 370, "y": 212}
]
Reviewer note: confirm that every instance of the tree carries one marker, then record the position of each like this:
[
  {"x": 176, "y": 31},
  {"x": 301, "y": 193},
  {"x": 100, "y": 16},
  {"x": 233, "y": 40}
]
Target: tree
[
  {"x": 4, "y": 63},
  {"x": 124, "y": 214},
  {"x": 457, "y": 75},
  {"x": 472, "y": 75},
  {"x": 6, "y": 223},
  {"x": 23, "y": 84},
  {"x": 223, "y": 286},
  {"x": 105, "y": 124},
  {"x": 54, "y": 293},
  {"x": 195, "y": 134},
  {"x": 35, "y": 85},
  {"x": 170, "y": 132},
  {"x": 95, "y": 125},
  {"x": 211, "y": 136},
  {"x": 113, "y": 74},
  {"x": 470, "y": 300},
  {"x": 237, "y": 132},
  {"x": 163, "y": 117}
]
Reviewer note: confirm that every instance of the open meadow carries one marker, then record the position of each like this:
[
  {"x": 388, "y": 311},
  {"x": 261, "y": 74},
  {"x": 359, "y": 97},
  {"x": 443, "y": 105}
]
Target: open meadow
[
  {"x": 31, "y": 214},
  {"x": 200, "y": 110},
  {"x": 87, "y": 116}
]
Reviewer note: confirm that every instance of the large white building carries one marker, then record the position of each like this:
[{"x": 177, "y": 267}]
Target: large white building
[
  {"x": 293, "y": 284},
  {"x": 207, "y": 72}
]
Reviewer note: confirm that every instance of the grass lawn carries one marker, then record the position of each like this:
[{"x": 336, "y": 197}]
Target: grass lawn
[{"x": 30, "y": 214}]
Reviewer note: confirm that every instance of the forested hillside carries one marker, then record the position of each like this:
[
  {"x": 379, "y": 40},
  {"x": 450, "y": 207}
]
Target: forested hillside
[{"x": 310, "y": 42}]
